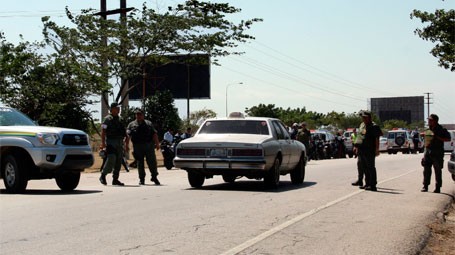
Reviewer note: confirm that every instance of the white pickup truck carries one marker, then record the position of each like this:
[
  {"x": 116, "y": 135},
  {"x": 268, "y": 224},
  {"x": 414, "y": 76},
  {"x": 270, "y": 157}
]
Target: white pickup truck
[{"x": 31, "y": 152}]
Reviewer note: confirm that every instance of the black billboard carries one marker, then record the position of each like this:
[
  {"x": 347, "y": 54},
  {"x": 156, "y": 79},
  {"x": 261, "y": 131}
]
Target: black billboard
[
  {"x": 409, "y": 109},
  {"x": 185, "y": 76}
]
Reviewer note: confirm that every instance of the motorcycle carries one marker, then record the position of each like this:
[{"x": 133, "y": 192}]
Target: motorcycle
[
  {"x": 339, "y": 149},
  {"x": 321, "y": 149},
  {"x": 168, "y": 151}
]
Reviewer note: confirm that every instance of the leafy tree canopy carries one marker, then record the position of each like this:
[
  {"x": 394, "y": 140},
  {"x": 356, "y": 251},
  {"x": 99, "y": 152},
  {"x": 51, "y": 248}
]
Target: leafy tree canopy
[
  {"x": 119, "y": 49},
  {"x": 95, "y": 55},
  {"x": 441, "y": 30},
  {"x": 41, "y": 87}
]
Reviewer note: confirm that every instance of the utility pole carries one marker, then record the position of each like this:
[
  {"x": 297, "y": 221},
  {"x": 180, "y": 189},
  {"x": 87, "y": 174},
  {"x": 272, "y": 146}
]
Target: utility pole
[
  {"x": 104, "y": 13},
  {"x": 428, "y": 103},
  {"x": 104, "y": 95}
]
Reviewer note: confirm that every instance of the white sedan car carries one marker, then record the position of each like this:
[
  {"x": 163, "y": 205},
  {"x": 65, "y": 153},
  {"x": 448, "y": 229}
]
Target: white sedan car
[{"x": 252, "y": 147}]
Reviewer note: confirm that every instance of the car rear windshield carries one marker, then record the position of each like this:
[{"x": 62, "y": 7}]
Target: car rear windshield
[
  {"x": 316, "y": 136},
  {"x": 11, "y": 117},
  {"x": 254, "y": 127},
  {"x": 392, "y": 135}
]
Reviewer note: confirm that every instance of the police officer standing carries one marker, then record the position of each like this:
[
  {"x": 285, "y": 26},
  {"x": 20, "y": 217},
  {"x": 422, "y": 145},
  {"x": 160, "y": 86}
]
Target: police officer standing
[
  {"x": 435, "y": 136},
  {"x": 113, "y": 135},
  {"x": 367, "y": 149},
  {"x": 145, "y": 138},
  {"x": 303, "y": 135}
]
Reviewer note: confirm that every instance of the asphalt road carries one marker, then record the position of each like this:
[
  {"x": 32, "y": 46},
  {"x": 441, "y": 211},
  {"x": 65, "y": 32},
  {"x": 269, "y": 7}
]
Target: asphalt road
[{"x": 325, "y": 215}]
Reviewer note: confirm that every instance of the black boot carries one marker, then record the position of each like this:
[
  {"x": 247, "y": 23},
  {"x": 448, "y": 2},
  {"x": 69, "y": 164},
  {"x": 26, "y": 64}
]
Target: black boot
[
  {"x": 357, "y": 183},
  {"x": 103, "y": 179},
  {"x": 155, "y": 180},
  {"x": 424, "y": 188},
  {"x": 117, "y": 182},
  {"x": 437, "y": 190}
]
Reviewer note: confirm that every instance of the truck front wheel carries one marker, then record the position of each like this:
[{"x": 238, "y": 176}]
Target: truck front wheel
[
  {"x": 14, "y": 175},
  {"x": 68, "y": 180}
]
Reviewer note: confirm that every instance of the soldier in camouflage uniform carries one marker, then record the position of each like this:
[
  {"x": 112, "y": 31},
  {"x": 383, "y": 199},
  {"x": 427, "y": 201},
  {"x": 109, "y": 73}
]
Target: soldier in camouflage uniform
[
  {"x": 113, "y": 136},
  {"x": 304, "y": 136},
  {"x": 435, "y": 136},
  {"x": 145, "y": 138}
]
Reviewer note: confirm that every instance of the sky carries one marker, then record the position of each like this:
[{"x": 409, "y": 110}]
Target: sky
[{"x": 322, "y": 55}]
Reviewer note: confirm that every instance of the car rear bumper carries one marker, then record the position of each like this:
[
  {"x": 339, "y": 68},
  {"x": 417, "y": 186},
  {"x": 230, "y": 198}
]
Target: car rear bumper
[
  {"x": 392, "y": 149},
  {"x": 217, "y": 165}
]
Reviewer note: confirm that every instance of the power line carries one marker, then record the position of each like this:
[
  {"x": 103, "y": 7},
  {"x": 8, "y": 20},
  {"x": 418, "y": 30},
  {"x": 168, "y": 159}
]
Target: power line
[
  {"x": 269, "y": 69},
  {"x": 285, "y": 88},
  {"x": 31, "y": 14},
  {"x": 318, "y": 71}
]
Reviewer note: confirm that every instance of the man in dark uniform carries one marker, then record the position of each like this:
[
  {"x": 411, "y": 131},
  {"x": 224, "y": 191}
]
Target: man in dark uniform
[
  {"x": 144, "y": 137},
  {"x": 304, "y": 136},
  {"x": 113, "y": 135},
  {"x": 367, "y": 149},
  {"x": 435, "y": 136}
]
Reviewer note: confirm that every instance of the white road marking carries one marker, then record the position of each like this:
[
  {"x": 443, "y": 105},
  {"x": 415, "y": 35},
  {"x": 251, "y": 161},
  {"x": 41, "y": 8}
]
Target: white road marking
[{"x": 298, "y": 218}]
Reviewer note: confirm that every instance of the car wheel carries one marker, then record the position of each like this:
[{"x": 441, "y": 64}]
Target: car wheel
[
  {"x": 351, "y": 154},
  {"x": 272, "y": 177},
  {"x": 196, "y": 180},
  {"x": 389, "y": 151},
  {"x": 14, "y": 175},
  {"x": 298, "y": 174},
  {"x": 68, "y": 180},
  {"x": 229, "y": 178}
]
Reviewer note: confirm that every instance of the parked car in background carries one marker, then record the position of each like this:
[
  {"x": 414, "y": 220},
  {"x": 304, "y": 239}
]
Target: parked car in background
[
  {"x": 382, "y": 144},
  {"x": 323, "y": 143},
  {"x": 450, "y": 145},
  {"x": 451, "y": 164},
  {"x": 399, "y": 140},
  {"x": 31, "y": 152},
  {"x": 348, "y": 143},
  {"x": 238, "y": 146}
]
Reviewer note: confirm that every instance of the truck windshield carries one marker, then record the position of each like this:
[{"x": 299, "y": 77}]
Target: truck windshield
[{"x": 12, "y": 117}]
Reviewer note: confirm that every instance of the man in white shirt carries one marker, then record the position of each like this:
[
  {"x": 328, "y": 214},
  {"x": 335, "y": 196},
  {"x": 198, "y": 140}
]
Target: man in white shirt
[{"x": 169, "y": 135}]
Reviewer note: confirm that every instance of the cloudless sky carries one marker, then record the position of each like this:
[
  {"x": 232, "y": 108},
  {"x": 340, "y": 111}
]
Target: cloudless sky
[{"x": 321, "y": 55}]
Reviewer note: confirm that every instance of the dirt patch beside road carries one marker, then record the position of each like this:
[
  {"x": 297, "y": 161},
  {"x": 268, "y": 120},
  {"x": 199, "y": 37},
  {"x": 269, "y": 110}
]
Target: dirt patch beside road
[{"x": 442, "y": 237}]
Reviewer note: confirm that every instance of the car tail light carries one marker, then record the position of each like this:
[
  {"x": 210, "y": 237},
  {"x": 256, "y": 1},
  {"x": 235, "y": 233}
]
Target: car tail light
[
  {"x": 191, "y": 152},
  {"x": 246, "y": 152}
]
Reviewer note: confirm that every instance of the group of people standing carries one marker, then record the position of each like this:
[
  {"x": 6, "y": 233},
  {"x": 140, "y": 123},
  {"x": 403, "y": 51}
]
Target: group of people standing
[
  {"x": 301, "y": 133},
  {"x": 366, "y": 147},
  {"x": 115, "y": 139},
  {"x": 170, "y": 136}
]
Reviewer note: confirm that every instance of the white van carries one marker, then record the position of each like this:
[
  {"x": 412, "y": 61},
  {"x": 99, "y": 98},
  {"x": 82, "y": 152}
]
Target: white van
[{"x": 450, "y": 145}]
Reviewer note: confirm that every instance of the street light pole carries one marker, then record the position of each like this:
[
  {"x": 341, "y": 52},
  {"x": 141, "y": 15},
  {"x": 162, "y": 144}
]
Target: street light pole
[{"x": 227, "y": 86}]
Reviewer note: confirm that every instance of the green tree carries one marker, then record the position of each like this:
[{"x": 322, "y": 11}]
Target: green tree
[
  {"x": 146, "y": 37},
  {"x": 290, "y": 116},
  {"x": 441, "y": 30},
  {"x": 160, "y": 109},
  {"x": 74, "y": 71},
  {"x": 263, "y": 110},
  {"x": 197, "y": 117},
  {"x": 41, "y": 87},
  {"x": 390, "y": 124}
]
